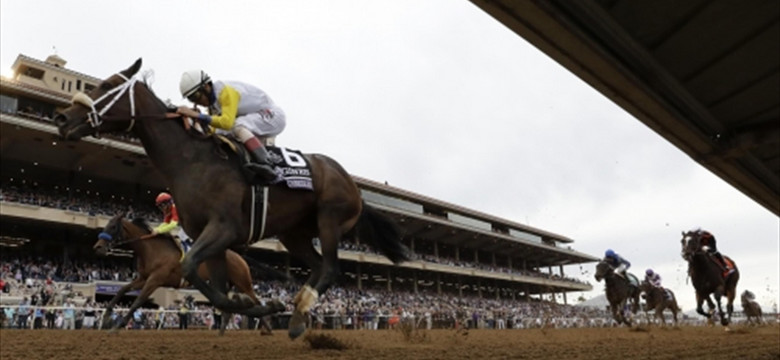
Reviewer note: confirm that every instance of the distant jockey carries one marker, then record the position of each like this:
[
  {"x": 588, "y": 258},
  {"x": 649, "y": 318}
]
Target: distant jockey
[{"x": 618, "y": 262}]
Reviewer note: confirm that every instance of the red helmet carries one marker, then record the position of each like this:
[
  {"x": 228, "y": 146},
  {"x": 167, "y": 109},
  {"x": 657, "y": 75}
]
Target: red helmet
[{"x": 164, "y": 197}]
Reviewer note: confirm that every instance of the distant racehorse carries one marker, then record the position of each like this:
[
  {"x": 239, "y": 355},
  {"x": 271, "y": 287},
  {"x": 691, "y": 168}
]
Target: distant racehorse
[
  {"x": 620, "y": 291},
  {"x": 157, "y": 263},
  {"x": 750, "y": 308},
  {"x": 657, "y": 299},
  {"x": 216, "y": 202},
  {"x": 707, "y": 277}
]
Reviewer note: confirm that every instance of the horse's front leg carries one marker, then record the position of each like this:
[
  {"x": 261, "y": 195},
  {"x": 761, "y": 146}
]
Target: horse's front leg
[
  {"x": 214, "y": 240},
  {"x": 700, "y": 301},
  {"x": 150, "y": 285},
  {"x": 137, "y": 283},
  {"x": 723, "y": 320},
  {"x": 659, "y": 313}
]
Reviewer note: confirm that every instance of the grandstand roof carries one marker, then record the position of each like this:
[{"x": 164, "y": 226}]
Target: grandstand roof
[{"x": 705, "y": 75}]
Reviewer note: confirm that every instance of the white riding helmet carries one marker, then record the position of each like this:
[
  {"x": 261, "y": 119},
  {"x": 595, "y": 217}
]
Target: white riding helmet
[{"x": 191, "y": 81}]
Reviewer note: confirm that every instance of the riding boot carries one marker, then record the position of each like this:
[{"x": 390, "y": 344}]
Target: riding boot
[{"x": 262, "y": 166}]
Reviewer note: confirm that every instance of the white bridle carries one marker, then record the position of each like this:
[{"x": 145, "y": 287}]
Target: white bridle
[{"x": 93, "y": 117}]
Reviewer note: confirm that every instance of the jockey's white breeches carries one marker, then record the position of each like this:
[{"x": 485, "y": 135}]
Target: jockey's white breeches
[
  {"x": 263, "y": 124},
  {"x": 621, "y": 268}
]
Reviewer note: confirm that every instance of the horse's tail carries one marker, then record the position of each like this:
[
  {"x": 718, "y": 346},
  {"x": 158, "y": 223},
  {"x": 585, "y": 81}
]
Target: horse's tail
[
  {"x": 382, "y": 233},
  {"x": 265, "y": 271}
]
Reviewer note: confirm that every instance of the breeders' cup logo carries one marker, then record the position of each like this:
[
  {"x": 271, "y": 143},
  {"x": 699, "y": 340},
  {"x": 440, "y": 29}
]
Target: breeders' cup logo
[{"x": 275, "y": 158}]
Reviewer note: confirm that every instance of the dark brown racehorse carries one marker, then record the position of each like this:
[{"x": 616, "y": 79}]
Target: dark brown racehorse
[
  {"x": 214, "y": 198},
  {"x": 620, "y": 292},
  {"x": 707, "y": 277},
  {"x": 157, "y": 264},
  {"x": 657, "y": 299}
]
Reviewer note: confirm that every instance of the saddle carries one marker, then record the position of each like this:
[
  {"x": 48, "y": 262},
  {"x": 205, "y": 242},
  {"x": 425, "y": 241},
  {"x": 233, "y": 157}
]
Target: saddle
[{"x": 727, "y": 265}]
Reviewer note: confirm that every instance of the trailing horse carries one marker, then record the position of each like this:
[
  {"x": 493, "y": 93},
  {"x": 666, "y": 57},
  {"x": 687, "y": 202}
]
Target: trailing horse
[
  {"x": 620, "y": 291},
  {"x": 708, "y": 277},
  {"x": 215, "y": 201},
  {"x": 750, "y": 308},
  {"x": 659, "y": 299},
  {"x": 157, "y": 263}
]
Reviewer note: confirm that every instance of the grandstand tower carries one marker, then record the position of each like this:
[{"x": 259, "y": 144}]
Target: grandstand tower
[{"x": 56, "y": 196}]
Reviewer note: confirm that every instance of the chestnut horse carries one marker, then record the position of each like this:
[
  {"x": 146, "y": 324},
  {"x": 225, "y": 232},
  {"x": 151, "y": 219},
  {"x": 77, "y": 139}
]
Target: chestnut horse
[
  {"x": 214, "y": 199},
  {"x": 157, "y": 264}
]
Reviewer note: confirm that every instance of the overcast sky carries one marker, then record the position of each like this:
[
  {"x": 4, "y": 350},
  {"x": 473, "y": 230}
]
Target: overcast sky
[{"x": 434, "y": 97}]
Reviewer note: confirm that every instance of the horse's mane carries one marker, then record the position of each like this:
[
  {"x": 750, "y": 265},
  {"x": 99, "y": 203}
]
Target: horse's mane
[{"x": 142, "y": 223}]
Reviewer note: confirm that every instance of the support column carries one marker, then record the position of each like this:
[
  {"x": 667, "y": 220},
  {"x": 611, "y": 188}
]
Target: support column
[
  {"x": 415, "y": 283},
  {"x": 411, "y": 245},
  {"x": 479, "y": 287},
  {"x": 564, "y": 299},
  {"x": 460, "y": 290},
  {"x": 493, "y": 255},
  {"x": 435, "y": 249},
  {"x": 457, "y": 253},
  {"x": 287, "y": 264},
  {"x": 359, "y": 277},
  {"x": 389, "y": 281},
  {"x": 438, "y": 283}
]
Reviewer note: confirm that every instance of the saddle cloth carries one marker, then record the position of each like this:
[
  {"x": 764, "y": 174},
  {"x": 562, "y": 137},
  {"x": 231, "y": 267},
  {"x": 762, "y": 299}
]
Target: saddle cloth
[{"x": 292, "y": 168}]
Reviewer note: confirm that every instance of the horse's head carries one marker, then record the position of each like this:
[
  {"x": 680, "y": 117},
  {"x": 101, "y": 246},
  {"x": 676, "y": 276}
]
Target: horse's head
[
  {"x": 111, "y": 234},
  {"x": 603, "y": 270},
  {"x": 112, "y": 100},
  {"x": 690, "y": 243}
]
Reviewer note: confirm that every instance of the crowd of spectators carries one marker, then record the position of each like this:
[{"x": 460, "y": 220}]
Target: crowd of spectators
[
  {"x": 60, "y": 198},
  {"x": 57, "y": 198}
]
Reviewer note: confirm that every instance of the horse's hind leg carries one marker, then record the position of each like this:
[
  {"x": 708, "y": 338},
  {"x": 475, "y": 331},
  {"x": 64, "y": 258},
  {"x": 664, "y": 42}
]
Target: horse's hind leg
[{"x": 299, "y": 244}]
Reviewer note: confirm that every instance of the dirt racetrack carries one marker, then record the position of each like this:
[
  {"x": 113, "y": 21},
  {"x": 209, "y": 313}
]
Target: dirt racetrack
[{"x": 619, "y": 343}]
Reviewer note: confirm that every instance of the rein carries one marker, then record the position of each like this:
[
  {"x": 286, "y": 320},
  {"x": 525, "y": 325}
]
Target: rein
[{"x": 94, "y": 116}]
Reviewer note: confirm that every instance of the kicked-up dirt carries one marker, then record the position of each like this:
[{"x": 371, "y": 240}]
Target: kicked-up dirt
[{"x": 610, "y": 343}]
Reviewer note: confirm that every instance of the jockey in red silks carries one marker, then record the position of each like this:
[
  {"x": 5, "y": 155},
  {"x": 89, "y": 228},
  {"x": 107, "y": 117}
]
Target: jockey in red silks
[
  {"x": 708, "y": 244},
  {"x": 170, "y": 224}
]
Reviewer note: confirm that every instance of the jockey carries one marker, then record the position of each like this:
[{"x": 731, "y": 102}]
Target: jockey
[
  {"x": 170, "y": 222},
  {"x": 653, "y": 278},
  {"x": 708, "y": 244},
  {"x": 240, "y": 108},
  {"x": 618, "y": 262}
]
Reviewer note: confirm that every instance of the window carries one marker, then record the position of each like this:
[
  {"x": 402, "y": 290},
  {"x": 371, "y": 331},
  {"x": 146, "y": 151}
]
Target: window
[
  {"x": 88, "y": 87},
  {"x": 70, "y": 84},
  {"x": 78, "y": 85},
  {"x": 8, "y": 104},
  {"x": 32, "y": 72}
]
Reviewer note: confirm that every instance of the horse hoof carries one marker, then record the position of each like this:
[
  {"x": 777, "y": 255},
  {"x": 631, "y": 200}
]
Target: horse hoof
[
  {"x": 297, "y": 325},
  {"x": 276, "y": 306},
  {"x": 243, "y": 301}
]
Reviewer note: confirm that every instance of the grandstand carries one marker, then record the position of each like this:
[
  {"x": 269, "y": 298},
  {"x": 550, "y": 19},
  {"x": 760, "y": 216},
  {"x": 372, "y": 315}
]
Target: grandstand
[{"x": 55, "y": 197}]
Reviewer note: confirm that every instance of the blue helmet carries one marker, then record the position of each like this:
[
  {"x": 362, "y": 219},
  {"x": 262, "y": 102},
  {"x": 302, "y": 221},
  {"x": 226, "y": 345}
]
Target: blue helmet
[
  {"x": 649, "y": 272},
  {"x": 609, "y": 253}
]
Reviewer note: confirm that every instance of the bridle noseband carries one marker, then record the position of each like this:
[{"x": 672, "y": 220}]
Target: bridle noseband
[{"x": 94, "y": 116}]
